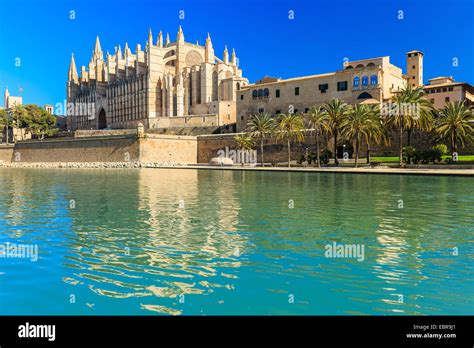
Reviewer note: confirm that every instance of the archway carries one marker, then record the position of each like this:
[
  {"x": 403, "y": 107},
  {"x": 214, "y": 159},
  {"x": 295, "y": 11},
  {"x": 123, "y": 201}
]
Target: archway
[
  {"x": 364, "y": 95},
  {"x": 102, "y": 119}
]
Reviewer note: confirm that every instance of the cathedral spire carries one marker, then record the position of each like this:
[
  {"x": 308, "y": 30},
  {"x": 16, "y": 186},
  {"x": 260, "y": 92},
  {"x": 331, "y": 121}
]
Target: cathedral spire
[
  {"x": 234, "y": 59},
  {"x": 119, "y": 52},
  {"x": 97, "y": 54},
  {"x": 150, "y": 36},
  {"x": 5, "y": 100},
  {"x": 226, "y": 55},
  {"x": 180, "y": 36},
  {"x": 208, "y": 41},
  {"x": 167, "y": 38},
  {"x": 72, "y": 75},
  {"x": 127, "y": 52},
  {"x": 209, "y": 51},
  {"x": 160, "y": 39}
]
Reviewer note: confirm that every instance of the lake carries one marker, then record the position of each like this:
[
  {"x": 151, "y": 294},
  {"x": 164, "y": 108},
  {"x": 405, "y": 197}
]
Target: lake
[{"x": 212, "y": 242}]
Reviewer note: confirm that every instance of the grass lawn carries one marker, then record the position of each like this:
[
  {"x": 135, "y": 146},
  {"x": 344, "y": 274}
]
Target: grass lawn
[{"x": 462, "y": 159}]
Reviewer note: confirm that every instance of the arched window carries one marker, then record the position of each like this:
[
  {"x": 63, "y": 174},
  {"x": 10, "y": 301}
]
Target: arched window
[
  {"x": 356, "y": 81},
  {"x": 364, "y": 95},
  {"x": 266, "y": 92},
  {"x": 365, "y": 81},
  {"x": 260, "y": 93},
  {"x": 370, "y": 65},
  {"x": 254, "y": 94},
  {"x": 238, "y": 86},
  {"x": 373, "y": 80},
  {"x": 360, "y": 66},
  {"x": 349, "y": 67}
]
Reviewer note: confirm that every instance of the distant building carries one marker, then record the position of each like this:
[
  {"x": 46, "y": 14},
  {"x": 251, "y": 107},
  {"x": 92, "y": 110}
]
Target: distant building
[
  {"x": 10, "y": 101},
  {"x": 166, "y": 85},
  {"x": 444, "y": 89},
  {"x": 49, "y": 108}
]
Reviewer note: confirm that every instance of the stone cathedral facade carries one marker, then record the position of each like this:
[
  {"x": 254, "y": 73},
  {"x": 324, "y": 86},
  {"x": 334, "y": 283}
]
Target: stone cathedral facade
[{"x": 168, "y": 84}]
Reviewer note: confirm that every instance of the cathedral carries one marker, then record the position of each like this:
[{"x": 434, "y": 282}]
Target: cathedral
[{"x": 168, "y": 84}]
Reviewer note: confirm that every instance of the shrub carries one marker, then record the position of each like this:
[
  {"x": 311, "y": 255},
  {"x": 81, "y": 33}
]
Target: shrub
[
  {"x": 427, "y": 156},
  {"x": 408, "y": 154},
  {"x": 441, "y": 147},
  {"x": 325, "y": 155}
]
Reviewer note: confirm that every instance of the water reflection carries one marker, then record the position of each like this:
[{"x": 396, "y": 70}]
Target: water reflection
[{"x": 177, "y": 241}]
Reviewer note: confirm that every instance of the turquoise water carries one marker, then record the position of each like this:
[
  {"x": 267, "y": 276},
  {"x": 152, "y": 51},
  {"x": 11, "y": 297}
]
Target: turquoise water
[{"x": 174, "y": 241}]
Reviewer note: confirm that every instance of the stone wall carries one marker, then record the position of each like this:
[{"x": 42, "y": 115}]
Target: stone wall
[
  {"x": 6, "y": 153},
  {"x": 274, "y": 150},
  {"x": 111, "y": 149},
  {"x": 168, "y": 149},
  {"x": 102, "y": 133},
  {"x": 185, "y": 121}
]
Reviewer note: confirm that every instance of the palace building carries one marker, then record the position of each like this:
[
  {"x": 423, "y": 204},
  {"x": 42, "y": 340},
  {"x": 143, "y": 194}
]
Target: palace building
[
  {"x": 368, "y": 81},
  {"x": 168, "y": 84}
]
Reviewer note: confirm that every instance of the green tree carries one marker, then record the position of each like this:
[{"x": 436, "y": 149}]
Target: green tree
[
  {"x": 261, "y": 126},
  {"x": 455, "y": 124},
  {"x": 290, "y": 127},
  {"x": 360, "y": 124},
  {"x": 40, "y": 122},
  {"x": 244, "y": 142},
  {"x": 319, "y": 121},
  {"x": 413, "y": 111},
  {"x": 336, "y": 110},
  {"x": 20, "y": 119}
]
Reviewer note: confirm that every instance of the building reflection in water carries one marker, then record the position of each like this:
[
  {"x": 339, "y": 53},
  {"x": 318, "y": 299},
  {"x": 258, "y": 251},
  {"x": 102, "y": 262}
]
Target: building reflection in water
[{"x": 166, "y": 236}]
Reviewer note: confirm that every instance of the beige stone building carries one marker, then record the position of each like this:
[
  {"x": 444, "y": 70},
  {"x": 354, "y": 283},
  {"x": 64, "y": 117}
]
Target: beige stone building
[
  {"x": 168, "y": 84},
  {"x": 444, "y": 89},
  {"x": 368, "y": 81},
  {"x": 10, "y": 101},
  {"x": 363, "y": 81}
]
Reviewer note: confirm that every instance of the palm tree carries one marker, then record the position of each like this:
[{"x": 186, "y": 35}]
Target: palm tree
[
  {"x": 455, "y": 123},
  {"x": 261, "y": 126},
  {"x": 414, "y": 111},
  {"x": 290, "y": 127},
  {"x": 378, "y": 134},
  {"x": 319, "y": 121},
  {"x": 336, "y": 110},
  {"x": 244, "y": 142},
  {"x": 360, "y": 124}
]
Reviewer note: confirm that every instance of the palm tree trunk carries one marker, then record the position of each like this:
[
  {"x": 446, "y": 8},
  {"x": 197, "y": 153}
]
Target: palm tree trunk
[
  {"x": 6, "y": 134},
  {"x": 261, "y": 150},
  {"x": 336, "y": 162},
  {"x": 368, "y": 153},
  {"x": 357, "y": 152},
  {"x": 317, "y": 149},
  {"x": 401, "y": 144},
  {"x": 454, "y": 140},
  {"x": 289, "y": 153}
]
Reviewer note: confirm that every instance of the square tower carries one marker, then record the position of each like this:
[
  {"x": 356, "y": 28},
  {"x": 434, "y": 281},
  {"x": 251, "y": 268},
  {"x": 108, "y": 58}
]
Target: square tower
[{"x": 415, "y": 68}]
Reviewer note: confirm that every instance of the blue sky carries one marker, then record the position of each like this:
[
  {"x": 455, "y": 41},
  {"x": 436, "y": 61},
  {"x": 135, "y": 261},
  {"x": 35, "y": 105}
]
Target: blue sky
[{"x": 267, "y": 42}]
